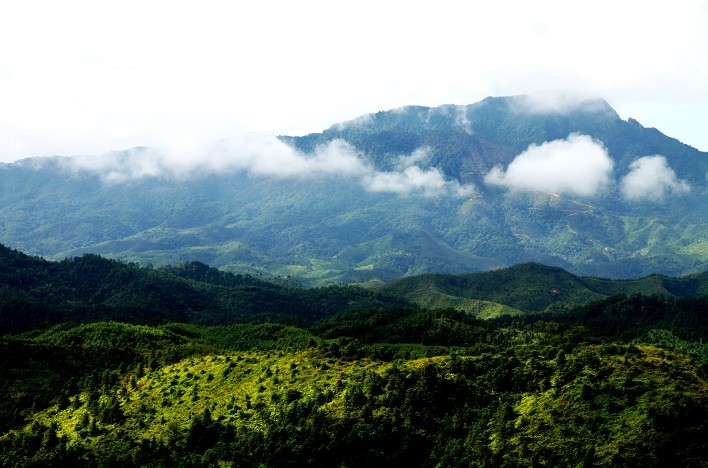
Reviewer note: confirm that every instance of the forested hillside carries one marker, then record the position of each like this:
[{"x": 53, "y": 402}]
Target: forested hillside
[
  {"x": 532, "y": 287},
  {"x": 449, "y": 189},
  {"x": 36, "y": 292},
  {"x": 344, "y": 376}
]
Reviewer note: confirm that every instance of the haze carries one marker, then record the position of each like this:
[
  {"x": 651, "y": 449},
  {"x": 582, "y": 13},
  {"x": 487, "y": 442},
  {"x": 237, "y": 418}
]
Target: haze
[{"x": 83, "y": 78}]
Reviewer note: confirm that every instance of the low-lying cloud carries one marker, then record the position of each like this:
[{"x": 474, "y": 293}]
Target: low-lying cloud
[
  {"x": 651, "y": 178},
  {"x": 557, "y": 102},
  {"x": 267, "y": 156},
  {"x": 577, "y": 165}
]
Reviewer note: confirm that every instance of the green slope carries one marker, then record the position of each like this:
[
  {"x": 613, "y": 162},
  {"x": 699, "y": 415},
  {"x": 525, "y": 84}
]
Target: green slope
[
  {"x": 35, "y": 292},
  {"x": 533, "y": 288},
  {"x": 172, "y": 396},
  {"x": 324, "y": 230},
  {"x": 616, "y": 382}
]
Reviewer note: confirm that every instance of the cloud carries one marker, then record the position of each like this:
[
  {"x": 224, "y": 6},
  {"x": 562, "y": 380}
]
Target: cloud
[
  {"x": 421, "y": 155},
  {"x": 557, "y": 102},
  {"x": 577, "y": 165},
  {"x": 651, "y": 178},
  {"x": 267, "y": 156},
  {"x": 428, "y": 182},
  {"x": 362, "y": 121},
  {"x": 64, "y": 94}
]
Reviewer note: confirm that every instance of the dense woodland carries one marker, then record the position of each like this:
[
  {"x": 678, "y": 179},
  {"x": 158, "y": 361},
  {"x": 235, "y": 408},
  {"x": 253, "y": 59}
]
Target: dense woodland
[
  {"x": 323, "y": 230},
  {"x": 107, "y": 363}
]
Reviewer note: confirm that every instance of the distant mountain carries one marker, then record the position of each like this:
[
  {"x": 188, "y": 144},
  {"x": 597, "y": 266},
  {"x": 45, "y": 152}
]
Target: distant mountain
[
  {"x": 451, "y": 189},
  {"x": 468, "y": 141}
]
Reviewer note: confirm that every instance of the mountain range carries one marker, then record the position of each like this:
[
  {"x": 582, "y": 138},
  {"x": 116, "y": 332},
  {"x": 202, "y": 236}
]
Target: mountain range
[{"x": 450, "y": 189}]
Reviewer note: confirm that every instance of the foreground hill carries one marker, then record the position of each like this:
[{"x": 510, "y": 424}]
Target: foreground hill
[
  {"x": 401, "y": 192},
  {"x": 476, "y": 394},
  {"x": 96, "y": 371}
]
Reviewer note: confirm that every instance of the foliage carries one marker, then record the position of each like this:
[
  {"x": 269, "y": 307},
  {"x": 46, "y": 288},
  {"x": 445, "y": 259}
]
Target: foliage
[
  {"x": 548, "y": 396},
  {"x": 35, "y": 292},
  {"x": 533, "y": 287},
  {"x": 615, "y": 382},
  {"x": 324, "y": 230}
]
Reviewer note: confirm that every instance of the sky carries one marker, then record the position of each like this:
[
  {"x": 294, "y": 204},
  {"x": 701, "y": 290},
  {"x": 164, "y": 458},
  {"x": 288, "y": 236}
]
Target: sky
[{"x": 88, "y": 77}]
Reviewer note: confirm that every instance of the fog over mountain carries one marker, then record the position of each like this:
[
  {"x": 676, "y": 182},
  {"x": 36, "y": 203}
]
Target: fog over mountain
[
  {"x": 267, "y": 156},
  {"x": 555, "y": 178},
  {"x": 577, "y": 165}
]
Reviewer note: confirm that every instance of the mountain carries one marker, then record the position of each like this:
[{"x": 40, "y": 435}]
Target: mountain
[{"x": 450, "y": 189}]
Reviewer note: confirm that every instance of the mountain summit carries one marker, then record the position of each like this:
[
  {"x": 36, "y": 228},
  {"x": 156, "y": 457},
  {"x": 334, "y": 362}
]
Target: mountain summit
[
  {"x": 473, "y": 138},
  {"x": 550, "y": 178}
]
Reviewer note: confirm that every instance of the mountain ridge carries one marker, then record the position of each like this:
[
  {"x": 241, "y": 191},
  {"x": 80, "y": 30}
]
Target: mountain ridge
[
  {"x": 397, "y": 193},
  {"x": 497, "y": 119},
  {"x": 35, "y": 292},
  {"x": 533, "y": 287}
]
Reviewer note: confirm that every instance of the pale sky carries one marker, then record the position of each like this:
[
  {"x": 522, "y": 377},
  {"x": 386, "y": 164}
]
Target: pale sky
[{"x": 87, "y": 77}]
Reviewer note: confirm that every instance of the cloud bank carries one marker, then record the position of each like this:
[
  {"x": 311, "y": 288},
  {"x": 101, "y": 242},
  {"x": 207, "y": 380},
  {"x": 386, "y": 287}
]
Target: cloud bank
[
  {"x": 578, "y": 165},
  {"x": 557, "y": 102},
  {"x": 267, "y": 156},
  {"x": 651, "y": 178}
]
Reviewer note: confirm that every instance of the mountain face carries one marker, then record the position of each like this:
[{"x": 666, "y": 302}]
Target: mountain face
[{"x": 449, "y": 189}]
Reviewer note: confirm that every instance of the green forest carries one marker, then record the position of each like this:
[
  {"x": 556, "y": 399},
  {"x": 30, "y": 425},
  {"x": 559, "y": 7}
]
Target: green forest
[
  {"x": 323, "y": 230},
  {"x": 105, "y": 363}
]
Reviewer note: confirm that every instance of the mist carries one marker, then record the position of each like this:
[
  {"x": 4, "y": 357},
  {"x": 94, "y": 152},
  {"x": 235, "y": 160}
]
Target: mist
[
  {"x": 557, "y": 102},
  {"x": 650, "y": 178},
  {"x": 267, "y": 156},
  {"x": 577, "y": 165}
]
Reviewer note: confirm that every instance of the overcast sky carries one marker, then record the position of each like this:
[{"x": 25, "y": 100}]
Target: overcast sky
[{"x": 86, "y": 77}]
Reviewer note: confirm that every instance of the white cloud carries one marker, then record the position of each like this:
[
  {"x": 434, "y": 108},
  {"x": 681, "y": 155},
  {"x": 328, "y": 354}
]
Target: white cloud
[
  {"x": 87, "y": 77},
  {"x": 418, "y": 156},
  {"x": 577, "y": 165},
  {"x": 557, "y": 102},
  {"x": 651, "y": 178},
  {"x": 267, "y": 156},
  {"x": 413, "y": 179}
]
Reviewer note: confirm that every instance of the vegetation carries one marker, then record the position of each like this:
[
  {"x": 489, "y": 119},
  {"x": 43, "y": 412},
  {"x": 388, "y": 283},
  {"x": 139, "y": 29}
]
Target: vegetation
[
  {"x": 325, "y": 230},
  {"x": 374, "y": 380},
  {"x": 36, "y": 292},
  {"x": 532, "y": 287}
]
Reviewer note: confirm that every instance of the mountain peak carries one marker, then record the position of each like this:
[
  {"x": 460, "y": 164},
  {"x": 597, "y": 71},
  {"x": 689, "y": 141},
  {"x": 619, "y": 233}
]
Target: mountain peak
[
  {"x": 558, "y": 103},
  {"x": 475, "y": 118}
]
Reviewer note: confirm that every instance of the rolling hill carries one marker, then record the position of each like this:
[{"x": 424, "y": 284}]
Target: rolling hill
[
  {"x": 35, "y": 293},
  {"x": 532, "y": 288},
  {"x": 106, "y": 363}
]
